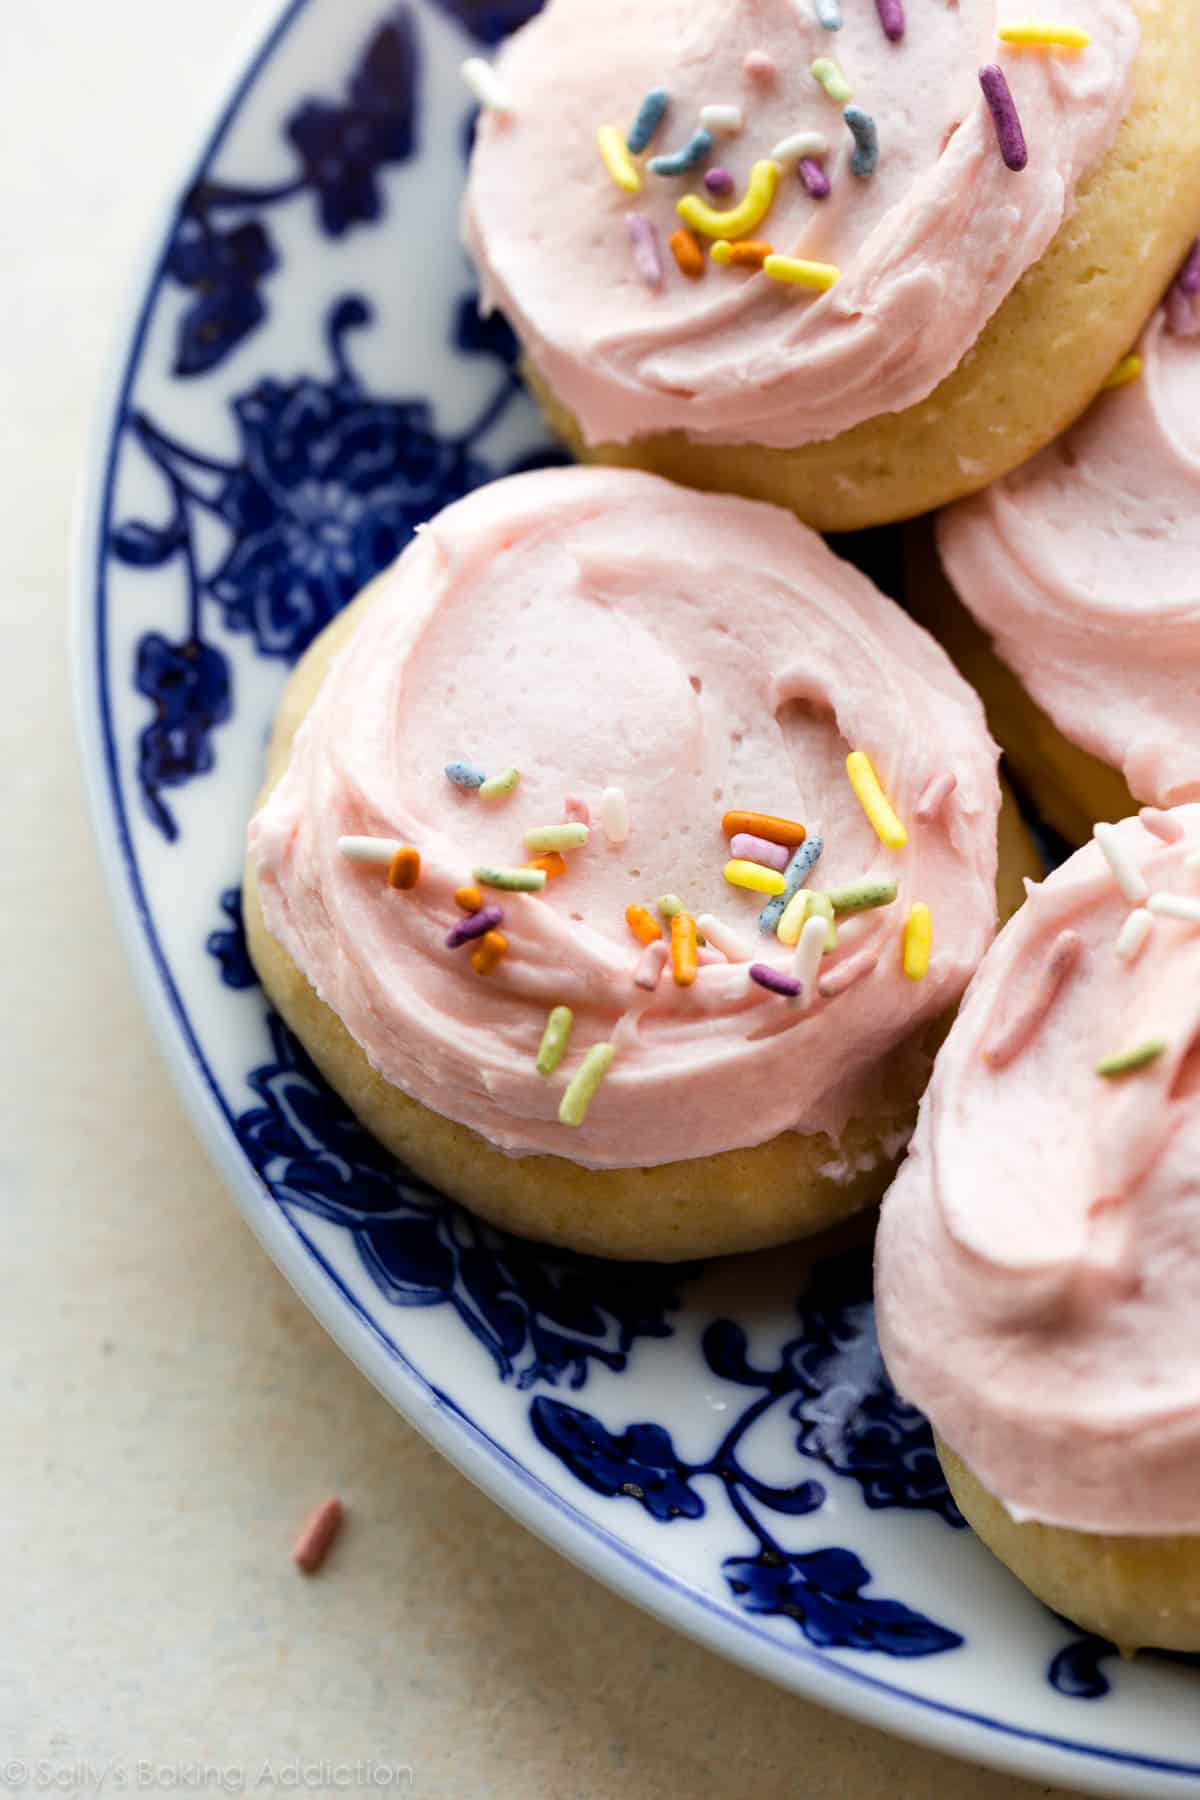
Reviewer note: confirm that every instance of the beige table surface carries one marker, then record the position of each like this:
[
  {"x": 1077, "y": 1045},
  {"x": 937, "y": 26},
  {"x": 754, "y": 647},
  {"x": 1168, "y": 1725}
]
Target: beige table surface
[{"x": 170, "y": 1410}]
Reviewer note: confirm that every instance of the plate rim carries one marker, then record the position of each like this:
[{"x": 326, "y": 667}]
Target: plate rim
[{"x": 799, "y": 1668}]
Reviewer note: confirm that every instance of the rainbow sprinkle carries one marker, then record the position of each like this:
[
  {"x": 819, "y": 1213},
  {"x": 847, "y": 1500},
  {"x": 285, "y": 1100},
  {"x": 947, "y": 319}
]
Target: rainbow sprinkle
[
  {"x": 512, "y": 881},
  {"x": 650, "y": 965},
  {"x": 750, "y": 848},
  {"x": 800, "y": 143},
  {"x": 1126, "y": 1061},
  {"x": 918, "y": 941},
  {"x": 685, "y": 248},
  {"x": 759, "y": 880},
  {"x": 465, "y": 775},
  {"x": 815, "y": 180},
  {"x": 644, "y": 926},
  {"x": 1134, "y": 934},
  {"x": 683, "y": 949},
  {"x": 581, "y": 1090},
  {"x": 891, "y": 17},
  {"x": 737, "y": 221},
  {"x": 776, "y": 981},
  {"x": 475, "y": 925},
  {"x": 555, "y": 1039},
  {"x": 727, "y": 119},
  {"x": 1005, "y": 117},
  {"x": 644, "y": 244},
  {"x": 614, "y": 815},
  {"x": 678, "y": 162},
  {"x": 404, "y": 870},
  {"x": 650, "y": 115},
  {"x": 791, "y": 920},
  {"x": 557, "y": 837},
  {"x": 807, "y": 960},
  {"x": 745, "y": 254},
  {"x": 828, "y": 14},
  {"x": 862, "y": 896},
  {"x": 488, "y": 951},
  {"x": 668, "y": 905},
  {"x": 718, "y": 181},
  {"x": 498, "y": 786},
  {"x": 1127, "y": 370},
  {"x": 1127, "y": 875},
  {"x": 874, "y": 801},
  {"x": 829, "y": 75},
  {"x": 617, "y": 161},
  {"x": 804, "y": 860},
  {"x": 764, "y": 825},
  {"x": 865, "y": 133},
  {"x": 1034, "y": 34},
  {"x": 800, "y": 273},
  {"x": 1175, "y": 906},
  {"x": 487, "y": 86},
  {"x": 732, "y": 947}
]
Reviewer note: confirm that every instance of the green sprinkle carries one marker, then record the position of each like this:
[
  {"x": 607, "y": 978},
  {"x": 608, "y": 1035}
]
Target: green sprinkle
[
  {"x": 831, "y": 78},
  {"x": 669, "y": 904},
  {"x": 499, "y": 785},
  {"x": 581, "y": 1091},
  {"x": 556, "y": 837},
  {"x": 1127, "y": 1060},
  {"x": 860, "y": 896},
  {"x": 515, "y": 881},
  {"x": 822, "y": 905},
  {"x": 555, "y": 1039}
]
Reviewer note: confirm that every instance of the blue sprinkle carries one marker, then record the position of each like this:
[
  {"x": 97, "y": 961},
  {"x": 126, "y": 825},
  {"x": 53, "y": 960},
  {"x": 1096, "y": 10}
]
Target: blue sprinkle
[
  {"x": 650, "y": 115},
  {"x": 804, "y": 861},
  {"x": 865, "y": 160},
  {"x": 693, "y": 152},
  {"x": 829, "y": 14},
  {"x": 465, "y": 775}
]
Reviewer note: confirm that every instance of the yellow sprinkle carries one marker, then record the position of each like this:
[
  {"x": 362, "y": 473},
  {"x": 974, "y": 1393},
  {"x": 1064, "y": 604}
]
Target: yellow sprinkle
[
  {"x": 822, "y": 904},
  {"x": 791, "y": 920},
  {"x": 1032, "y": 34},
  {"x": 800, "y": 273},
  {"x": 1128, "y": 369},
  {"x": 755, "y": 876},
  {"x": 874, "y": 801},
  {"x": 737, "y": 220},
  {"x": 832, "y": 78},
  {"x": 618, "y": 161},
  {"x": 918, "y": 941}
]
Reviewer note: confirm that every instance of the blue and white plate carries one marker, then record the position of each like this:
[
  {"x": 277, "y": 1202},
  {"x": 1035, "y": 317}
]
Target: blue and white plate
[{"x": 304, "y": 379}]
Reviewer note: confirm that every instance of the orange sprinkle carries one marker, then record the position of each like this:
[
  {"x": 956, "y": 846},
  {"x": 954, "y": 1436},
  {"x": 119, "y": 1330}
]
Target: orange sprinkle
[
  {"x": 683, "y": 949},
  {"x": 405, "y": 867},
  {"x": 643, "y": 924},
  {"x": 552, "y": 861},
  {"x": 468, "y": 899},
  {"x": 685, "y": 248},
  {"x": 763, "y": 825},
  {"x": 747, "y": 253},
  {"x": 488, "y": 951},
  {"x": 312, "y": 1546}
]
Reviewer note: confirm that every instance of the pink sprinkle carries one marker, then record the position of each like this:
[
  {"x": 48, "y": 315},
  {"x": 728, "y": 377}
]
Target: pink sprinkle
[
  {"x": 650, "y": 965},
  {"x": 759, "y": 66},
  {"x": 1188, "y": 278},
  {"x": 708, "y": 953},
  {"x": 644, "y": 244},
  {"x": 576, "y": 811},
  {"x": 1164, "y": 825},
  {"x": 846, "y": 974},
  {"x": 314, "y": 1543},
  {"x": 753, "y": 849},
  {"x": 891, "y": 17},
  {"x": 934, "y": 796},
  {"x": 814, "y": 177},
  {"x": 1005, "y": 117},
  {"x": 718, "y": 181},
  {"x": 1064, "y": 955},
  {"x": 1181, "y": 314}
]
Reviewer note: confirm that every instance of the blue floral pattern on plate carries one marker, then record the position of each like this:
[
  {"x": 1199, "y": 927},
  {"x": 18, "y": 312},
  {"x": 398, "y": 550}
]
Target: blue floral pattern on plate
[{"x": 285, "y": 420}]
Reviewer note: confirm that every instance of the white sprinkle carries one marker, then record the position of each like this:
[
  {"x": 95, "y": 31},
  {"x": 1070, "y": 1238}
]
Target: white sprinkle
[
  {"x": 801, "y": 143},
  {"x": 807, "y": 961},
  {"x": 614, "y": 815},
  {"x": 1175, "y": 906},
  {"x": 735, "y": 949},
  {"x": 487, "y": 86},
  {"x": 650, "y": 965},
  {"x": 1128, "y": 876},
  {"x": 721, "y": 118},
  {"x": 828, "y": 13},
  {"x": 1133, "y": 934},
  {"x": 369, "y": 849}
]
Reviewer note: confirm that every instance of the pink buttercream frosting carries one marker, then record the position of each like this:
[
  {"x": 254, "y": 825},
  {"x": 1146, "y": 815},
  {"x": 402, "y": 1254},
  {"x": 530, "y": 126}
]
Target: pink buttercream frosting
[
  {"x": 1038, "y": 1260},
  {"x": 928, "y": 246},
  {"x": 1084, "y": 565},
  {"x": 604, "y": 628}
]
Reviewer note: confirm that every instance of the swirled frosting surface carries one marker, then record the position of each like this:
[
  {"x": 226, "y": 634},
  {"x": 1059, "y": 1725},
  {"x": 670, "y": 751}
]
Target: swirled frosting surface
[
  {"x": 603, "y": 627},
  {"x": 1038, "y": 1262},
  {"x": 1084, "y": 565},
  {"x": 928, "y": 246}
]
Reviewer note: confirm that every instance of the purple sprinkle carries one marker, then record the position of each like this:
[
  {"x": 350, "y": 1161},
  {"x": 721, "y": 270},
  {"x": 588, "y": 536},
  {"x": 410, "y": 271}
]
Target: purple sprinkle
[
  {"x": 778, "y": 983},
  {"x": 1181, "y": 314},
  {"x": 814, "y": 177},
  {"x": 718, "y": 181},
  {"x": 753, "y": 849},
  {"x": 1188, "y": 278},
  {"x": 891, "y": 17},
  {"x": 1009, "y": 135},
  {"x": 474, "y": 926},
  {"x": 644, "y": 243}
]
